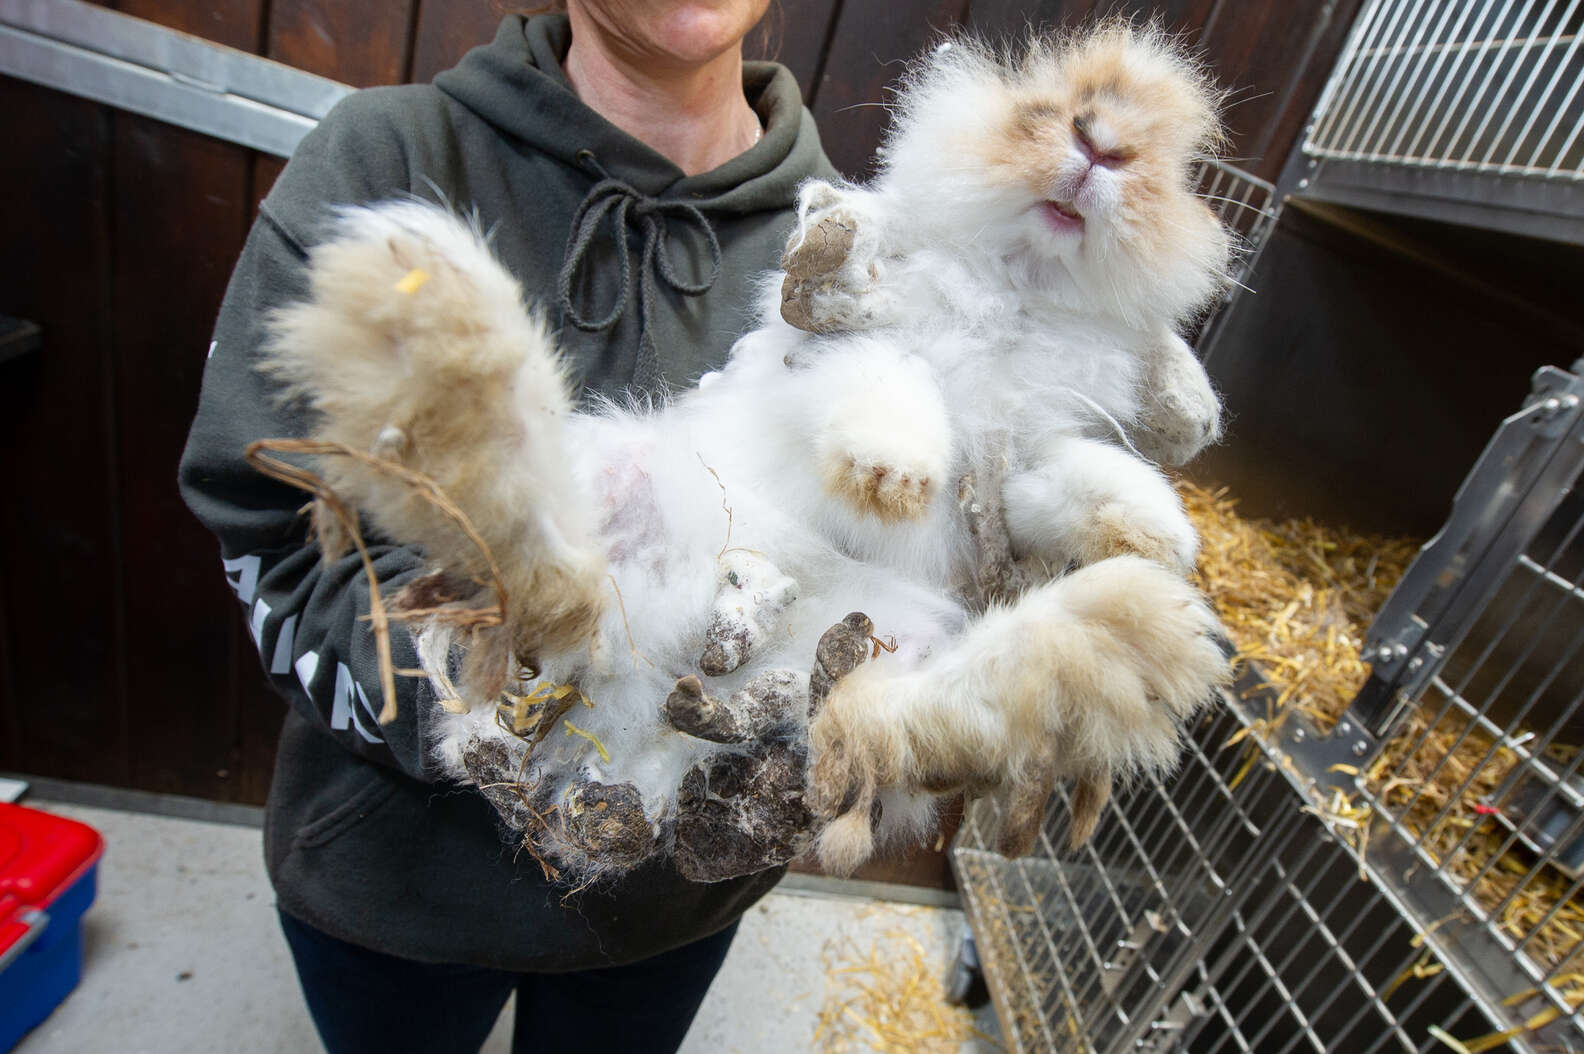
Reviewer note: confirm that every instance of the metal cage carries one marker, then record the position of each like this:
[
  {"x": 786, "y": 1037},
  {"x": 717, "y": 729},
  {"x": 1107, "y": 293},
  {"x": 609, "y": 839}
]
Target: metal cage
[
  {"x": 1352, "y": 889},
  {"x": 1470, "y": 111},
  {"x": 1248, "y": 208}
]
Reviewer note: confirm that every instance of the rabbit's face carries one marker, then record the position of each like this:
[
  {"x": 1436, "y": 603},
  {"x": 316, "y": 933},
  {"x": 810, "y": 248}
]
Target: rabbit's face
[
  {"x": 1075, "y": 158},
  {"x": 1099, "y": 139}
]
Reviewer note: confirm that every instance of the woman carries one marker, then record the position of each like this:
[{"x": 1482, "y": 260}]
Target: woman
[{"x": 616, "y": 131}]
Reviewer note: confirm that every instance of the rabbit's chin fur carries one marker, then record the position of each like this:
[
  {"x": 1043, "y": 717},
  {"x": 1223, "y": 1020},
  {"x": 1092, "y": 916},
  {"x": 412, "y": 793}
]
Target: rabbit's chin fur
[{"x": 983, "y": 143}]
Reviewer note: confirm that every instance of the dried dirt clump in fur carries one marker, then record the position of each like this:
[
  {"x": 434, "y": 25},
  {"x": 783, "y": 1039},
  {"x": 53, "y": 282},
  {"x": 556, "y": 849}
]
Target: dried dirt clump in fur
[
  {"x": 738, "y": 814},
  {"x": 842, "y": 649},
  {"x": 767, "y": 702},
  {"x": 496, "y": 774},
  {"x": 607, "y": 821}
]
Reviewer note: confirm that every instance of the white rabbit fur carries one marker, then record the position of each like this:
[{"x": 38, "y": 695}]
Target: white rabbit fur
[{"x": 1087, "y": 676}]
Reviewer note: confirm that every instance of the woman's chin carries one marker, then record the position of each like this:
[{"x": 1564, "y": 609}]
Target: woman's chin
[{"x": 695, "y": 32}]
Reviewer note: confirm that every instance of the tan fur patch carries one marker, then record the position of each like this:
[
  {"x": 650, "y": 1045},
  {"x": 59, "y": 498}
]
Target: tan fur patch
[
  {"x": 1117, "y": 533},
  {"x": 1024, "y": 813},
  {"x": 1089, "y": 797},
  {"x": 888, "y": 495}
]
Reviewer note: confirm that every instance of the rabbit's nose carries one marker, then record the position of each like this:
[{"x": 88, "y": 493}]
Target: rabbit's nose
[{"x": 1096, "y": 144}]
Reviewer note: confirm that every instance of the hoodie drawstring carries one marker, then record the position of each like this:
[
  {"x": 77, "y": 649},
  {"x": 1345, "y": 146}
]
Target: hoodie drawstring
[{"x": 625, "y": 204}]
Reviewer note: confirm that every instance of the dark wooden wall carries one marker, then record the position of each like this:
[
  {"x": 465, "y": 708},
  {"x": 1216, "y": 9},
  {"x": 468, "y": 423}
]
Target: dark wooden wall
[{"x": 123, "y": 657}]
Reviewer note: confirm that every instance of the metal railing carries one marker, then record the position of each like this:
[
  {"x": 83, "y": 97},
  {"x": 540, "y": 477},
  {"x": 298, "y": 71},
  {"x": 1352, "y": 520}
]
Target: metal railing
[
  {"x": 1489, "y": 86},
  {"x": 103, "y": 55}
]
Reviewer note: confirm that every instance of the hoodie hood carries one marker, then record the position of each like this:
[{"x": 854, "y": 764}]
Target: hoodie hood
[{"x": 517, "y": 84}]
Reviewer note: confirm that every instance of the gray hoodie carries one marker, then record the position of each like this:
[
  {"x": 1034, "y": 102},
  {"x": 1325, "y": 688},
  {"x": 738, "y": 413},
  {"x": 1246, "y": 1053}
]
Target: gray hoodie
[{"x": 360, "y": 840}]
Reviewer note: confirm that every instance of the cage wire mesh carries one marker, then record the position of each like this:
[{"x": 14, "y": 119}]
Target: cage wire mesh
[
  {"x": 1245, "y": 205},
  {"x": 1248, "y": 208},
  {"x": 1489, "y": 86},
  {"x": 1407, "y": 879}
]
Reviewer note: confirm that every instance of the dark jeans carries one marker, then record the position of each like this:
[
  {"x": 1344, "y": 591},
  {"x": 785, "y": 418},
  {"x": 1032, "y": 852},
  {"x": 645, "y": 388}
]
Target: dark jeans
[{"x": 364, "y": 1000}]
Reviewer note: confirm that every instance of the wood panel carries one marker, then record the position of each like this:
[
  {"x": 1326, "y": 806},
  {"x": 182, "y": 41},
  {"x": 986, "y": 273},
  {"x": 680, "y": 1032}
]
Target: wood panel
[
  {"x": 179, "y": 197},
  {"x": 447, "y": 31},
  {"x": 795, "y": 33},
  {"x": 1282, "y": 130},
  {"x": 58, "y": 524},
  {"x": 10, "y": 727},
  {"x": 872, "y": 44},
  {"x": 235, "y": 24},
  {"x": 1261, "y": 53},
  {"x": 360, "y": 44}
]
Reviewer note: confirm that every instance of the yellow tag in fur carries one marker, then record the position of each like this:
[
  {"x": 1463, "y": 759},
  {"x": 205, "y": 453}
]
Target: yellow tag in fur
[{"x": 412, "y": 281}]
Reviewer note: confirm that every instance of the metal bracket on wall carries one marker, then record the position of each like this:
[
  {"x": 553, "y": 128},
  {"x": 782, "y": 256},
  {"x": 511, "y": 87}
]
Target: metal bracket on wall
[{"x": 134, "y": 65}]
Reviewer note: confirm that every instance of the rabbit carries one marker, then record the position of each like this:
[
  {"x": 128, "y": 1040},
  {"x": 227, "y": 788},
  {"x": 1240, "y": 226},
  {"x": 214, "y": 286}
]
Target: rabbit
[
  {"x": 742, "y": 621},
  {"x": 1040, "y": 209}
]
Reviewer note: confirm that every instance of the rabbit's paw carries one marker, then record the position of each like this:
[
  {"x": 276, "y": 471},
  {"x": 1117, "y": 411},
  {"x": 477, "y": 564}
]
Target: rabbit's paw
[
  {"x": 883, "y": 488},
  {"x": 1132, "y": 652},
  {"x": 858, "y": 748},
  {"x": 886, "y": 460},
  {"x": 1089, "y": 501},
  {"x": 555, "y": 605},
  {"x": 847, "y": 748},
  {"x": 1181, "y": 413},
  {"x": 1147, "y": 529}
]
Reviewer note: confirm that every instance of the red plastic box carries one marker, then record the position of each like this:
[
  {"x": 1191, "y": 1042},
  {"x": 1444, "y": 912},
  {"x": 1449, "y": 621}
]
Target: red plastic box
[{"x": 47, "y": 870}]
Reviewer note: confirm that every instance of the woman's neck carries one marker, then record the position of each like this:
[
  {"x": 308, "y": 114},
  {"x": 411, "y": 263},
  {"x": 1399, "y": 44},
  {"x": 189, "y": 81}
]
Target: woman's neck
[{"x": 695, "y": 115}]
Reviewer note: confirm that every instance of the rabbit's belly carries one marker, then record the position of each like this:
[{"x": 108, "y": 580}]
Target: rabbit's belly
[{"x": 689, "y": 542}]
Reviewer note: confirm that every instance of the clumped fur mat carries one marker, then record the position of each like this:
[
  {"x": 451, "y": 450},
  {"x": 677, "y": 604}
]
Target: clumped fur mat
[
  {"x": 697, "y": 547},
  {"x": 438, "y": 368}
]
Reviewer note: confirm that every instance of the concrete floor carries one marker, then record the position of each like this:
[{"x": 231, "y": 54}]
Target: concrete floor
[{"x": 183, "y": 953}]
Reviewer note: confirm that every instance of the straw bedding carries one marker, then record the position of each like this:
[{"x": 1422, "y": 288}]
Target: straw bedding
[{"x": 1296, "y": 598}]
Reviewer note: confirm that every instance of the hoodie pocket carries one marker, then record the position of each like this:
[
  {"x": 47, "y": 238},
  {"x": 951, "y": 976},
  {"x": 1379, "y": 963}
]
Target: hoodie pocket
[{"x": 354, "y": 810}]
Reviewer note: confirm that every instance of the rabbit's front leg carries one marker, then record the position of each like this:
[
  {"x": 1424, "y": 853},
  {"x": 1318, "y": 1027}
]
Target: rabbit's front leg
[
  {"x": 1181, "y": 413},
  {"x": 1092, "y": 675},
  {"x": 882, "y": 435},
  {"x": 1089, "y": 500}
]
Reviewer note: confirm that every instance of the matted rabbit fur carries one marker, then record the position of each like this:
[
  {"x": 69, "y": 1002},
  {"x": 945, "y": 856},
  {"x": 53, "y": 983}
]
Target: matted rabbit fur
[{"x": 1006, "y": 330}]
